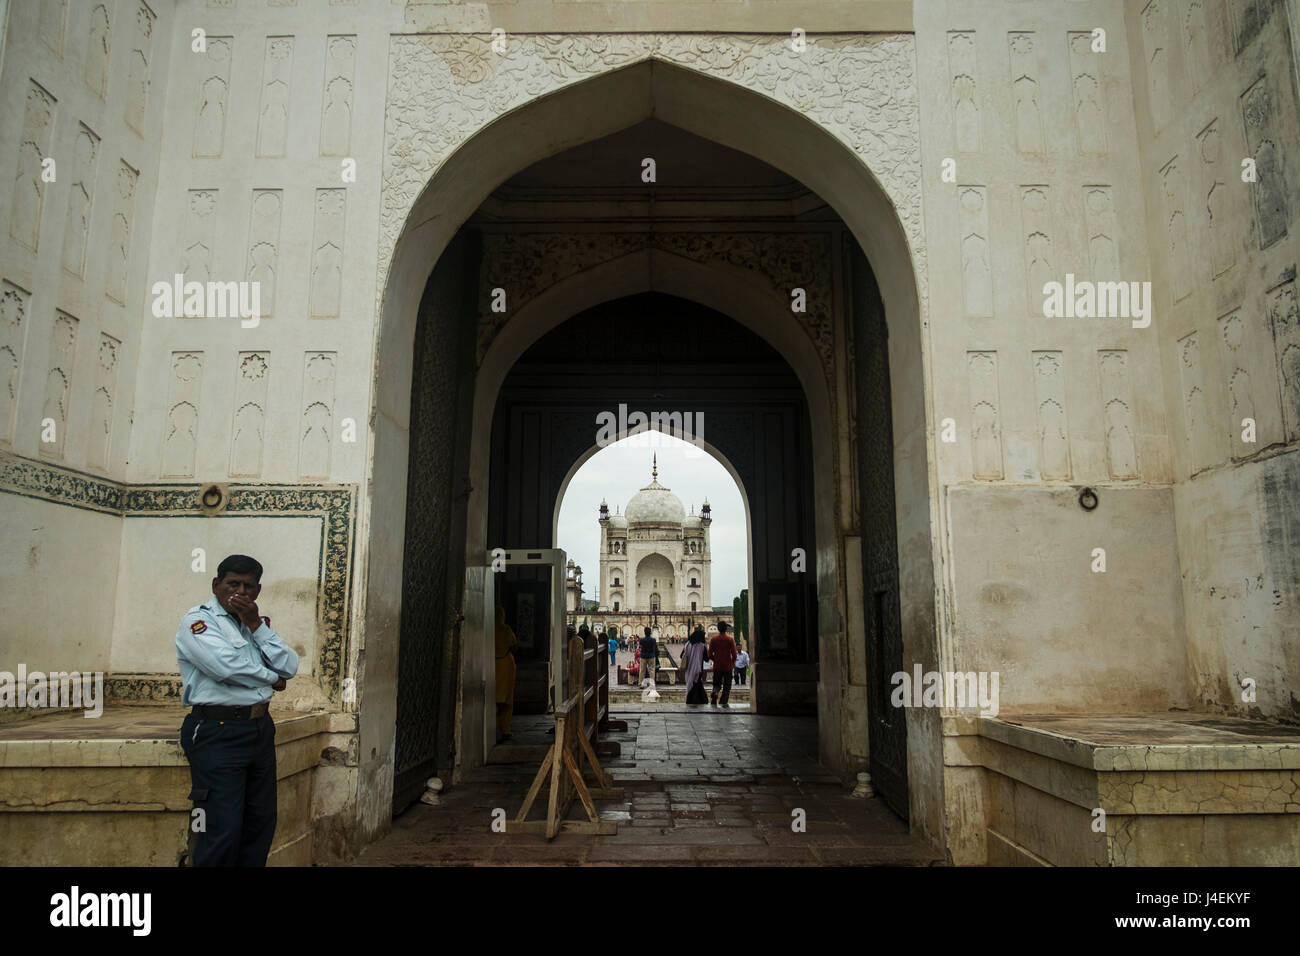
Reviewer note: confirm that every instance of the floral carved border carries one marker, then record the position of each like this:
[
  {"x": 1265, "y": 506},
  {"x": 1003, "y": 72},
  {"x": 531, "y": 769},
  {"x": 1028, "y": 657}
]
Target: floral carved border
[
  {"x": 335, "y": 505},
  {"x": 443, "y": 88},
  {"x": 529, "y": 263}
]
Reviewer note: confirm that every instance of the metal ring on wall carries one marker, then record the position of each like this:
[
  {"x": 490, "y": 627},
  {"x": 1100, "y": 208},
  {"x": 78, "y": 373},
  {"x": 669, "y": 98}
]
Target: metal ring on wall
[
  {"x": 1088, "y": 499},
  {"x": 213, "y": 499}
]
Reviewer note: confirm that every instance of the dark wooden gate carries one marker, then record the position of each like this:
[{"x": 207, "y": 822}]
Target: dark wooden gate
[
  {"x": 433, "y": 565},
  {"x": 887, "y": 725}
]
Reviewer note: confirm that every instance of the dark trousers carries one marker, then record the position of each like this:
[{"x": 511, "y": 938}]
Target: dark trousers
[
  {"x": 722, "y": 679},
  {"x": 740, "y": 674},
  {"x": 232, "y": 772}
]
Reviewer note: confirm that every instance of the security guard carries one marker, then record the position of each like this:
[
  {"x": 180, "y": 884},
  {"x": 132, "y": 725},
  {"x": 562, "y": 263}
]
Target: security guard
[{"x": 230, "y": 662}]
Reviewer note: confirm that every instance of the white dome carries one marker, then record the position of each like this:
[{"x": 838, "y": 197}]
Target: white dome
[
  {"x": 617, "y": 521},
  {"x": 655, "y": 504}
]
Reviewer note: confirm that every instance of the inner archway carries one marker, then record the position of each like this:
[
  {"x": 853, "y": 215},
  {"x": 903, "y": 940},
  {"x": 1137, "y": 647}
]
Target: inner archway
[{"x": 461, "y": 464}]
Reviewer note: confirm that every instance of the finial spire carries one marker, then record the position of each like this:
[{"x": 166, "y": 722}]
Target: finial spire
[{"x": 654, "y": 474}]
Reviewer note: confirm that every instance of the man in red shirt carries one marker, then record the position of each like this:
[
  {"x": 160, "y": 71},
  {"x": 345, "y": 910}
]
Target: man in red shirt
[{"x": 722, "y": 651}]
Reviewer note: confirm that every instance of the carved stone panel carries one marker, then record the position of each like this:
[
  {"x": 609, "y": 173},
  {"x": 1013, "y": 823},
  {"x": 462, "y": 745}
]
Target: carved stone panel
[
  {"x": 1089, "y": 94},
  {"x": 326, "y": 285},
  {"x": 180, "y": 433},
  {"x": 200, "y": 236},
  {"x": 137, "y": 86},
  {"x": 1117, "y": 413},
  {"x": 965, "y": 101},
  {"x": 248, "y": 431},
  {"x": 1236, "y": 353},
  {"x": 336, "y": 110},
  {"x": 1258, "y": 105},
  {"x": 58, "y": 384},
  {"x": 98, "y": 454},
  {"x": 273, "y": 111},
  {"x": 1103, "y": 242},
  {"x": 1219, "y": 204},
  {"x": 1025, "y": 94},
  {"x": 985, "y": 426},
  {"x": 1156, "y": 44},
  {"x": 33, "y": 148},
  {"x": 99, "y": 45},
  {"x": 1284, "y": 316},
  {"x": 976, "y": 264},
  {"x": 1040, "y": 256},
  {"x": 81, "y": 195},
  {"x": 212, "y": 96},
  {"x": 13, "y": 328},
  {"x": 317, "y": 427},
  {"x": 264, "y": 245},
  {"x": 1049, "y": 396},
  {"x": 119, "y": 237}
]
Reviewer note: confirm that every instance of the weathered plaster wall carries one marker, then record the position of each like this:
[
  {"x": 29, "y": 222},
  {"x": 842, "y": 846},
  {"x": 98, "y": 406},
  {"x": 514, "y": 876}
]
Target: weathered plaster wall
[
  {"x": 82, "y": 85},
  {"x": 1044, "y": 170},
  {"x": 1214, "y": 85}
]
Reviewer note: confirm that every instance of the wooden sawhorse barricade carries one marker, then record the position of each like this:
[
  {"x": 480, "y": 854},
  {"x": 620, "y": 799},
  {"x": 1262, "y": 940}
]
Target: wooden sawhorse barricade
[{"x": 561, "y": 768}]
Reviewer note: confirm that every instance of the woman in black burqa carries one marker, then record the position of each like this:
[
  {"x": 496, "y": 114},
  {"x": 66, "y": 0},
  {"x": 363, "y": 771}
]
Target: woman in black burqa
[{"x": 693, "y": 655}]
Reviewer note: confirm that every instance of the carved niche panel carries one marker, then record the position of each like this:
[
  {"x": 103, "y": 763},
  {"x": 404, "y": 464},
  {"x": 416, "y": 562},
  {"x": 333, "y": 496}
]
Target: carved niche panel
[
  {"x": 1284, "y": 315},
  {"x": 200, "y": 236},
  {"x": 443, "y": 89},
  {"x": 13, "y": 327},
  {"x": 180, "y": 433},
  {"x": 1040, "y": 268},
  {"x": 248, "y": 431},
  {"x": 1103, "y": 244},
  {"x": 316, "y": 429},
  {"x": 33, "y": 147},
  {"x": 1025, "y": 94},
  {"x": 1053, "y": 432},
  {"x": 1258, "y": 108},
  {"x": 965, "y": 101},
  {"x": 336, "y": 110},
  {"x": 212, "y": 99},
  {"x": 81, "y": 197},
  {"x": 119, "y": 248},
  {"x": 1089, "y": 94},
  {"x": 985, "y": 426},
  {"x": 273, "y": 113},
  {"x": 1117, "y": 413},
  {"x": 264, "y": 245},
  {"x": 58, "y": 383},
  {"x": 101, "y": 403},
  {"x": 98, "y": 48},
  {"x": 976, "y": 268},
  {"x": 137, "y": 87},
  {"x": 327, "y": 253}
]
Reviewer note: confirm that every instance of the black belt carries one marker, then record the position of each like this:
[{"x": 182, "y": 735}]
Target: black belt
[{"x": 216, "y": 712}]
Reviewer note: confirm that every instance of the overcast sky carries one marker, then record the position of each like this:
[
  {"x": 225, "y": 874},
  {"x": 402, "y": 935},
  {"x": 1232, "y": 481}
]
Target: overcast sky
[{"x": 618, "y": 472}]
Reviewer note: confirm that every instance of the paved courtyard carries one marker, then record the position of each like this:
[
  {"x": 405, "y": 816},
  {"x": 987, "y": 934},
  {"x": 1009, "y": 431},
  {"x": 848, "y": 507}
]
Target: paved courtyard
[{"x": 709, "y": 788}]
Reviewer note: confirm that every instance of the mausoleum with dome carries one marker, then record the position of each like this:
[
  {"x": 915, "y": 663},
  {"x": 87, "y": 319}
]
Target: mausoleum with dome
[{"x": 654, "y": 557}]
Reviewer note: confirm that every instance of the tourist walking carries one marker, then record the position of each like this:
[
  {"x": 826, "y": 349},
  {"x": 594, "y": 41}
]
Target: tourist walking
[
  {"x": 722, "y": 651},
  {"x": 742, "y": 665},
  {"x": 693, "y": 655},
  {"x": 649, "y": 657}
]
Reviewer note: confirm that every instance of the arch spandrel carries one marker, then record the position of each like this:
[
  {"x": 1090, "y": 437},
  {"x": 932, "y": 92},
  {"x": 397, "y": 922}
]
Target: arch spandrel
[{"x": 444, "y": 89}]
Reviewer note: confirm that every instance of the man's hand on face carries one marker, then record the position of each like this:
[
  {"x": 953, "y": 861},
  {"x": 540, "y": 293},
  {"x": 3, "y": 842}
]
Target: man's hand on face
[{"x": 246, "y": 608}]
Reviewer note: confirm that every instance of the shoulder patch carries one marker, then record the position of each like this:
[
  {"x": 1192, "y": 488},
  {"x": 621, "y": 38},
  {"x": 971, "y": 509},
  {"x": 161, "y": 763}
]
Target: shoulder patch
[{"x": 198, "y": 627}]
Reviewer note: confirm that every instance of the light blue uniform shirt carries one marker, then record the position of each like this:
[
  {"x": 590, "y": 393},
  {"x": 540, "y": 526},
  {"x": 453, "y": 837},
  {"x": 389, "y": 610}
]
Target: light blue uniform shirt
[{"x": 225, "y": 663}]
